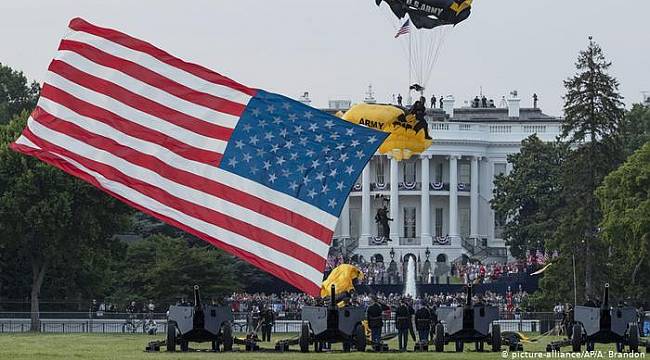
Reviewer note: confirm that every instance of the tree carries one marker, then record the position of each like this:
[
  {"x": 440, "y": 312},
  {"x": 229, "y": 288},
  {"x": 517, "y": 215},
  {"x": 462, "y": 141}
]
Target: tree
[
  {"x": 165, "y": 269},
  {"x": 47, "y": 217},
  {"x": 529, "y": 196},
  {"x": 625, "y": 203},
  {"x": 593, "y": 114},
  {"x": 635, "y": 129},
  {"x": 16, "y": 95}
]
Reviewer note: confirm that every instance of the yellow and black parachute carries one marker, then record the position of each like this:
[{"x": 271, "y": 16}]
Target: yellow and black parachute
[
  {"x": 432, "y": 20},
  {"x": 403, "y": 141},
  {"x": 428, "y": 14},
  {"x": 342, "y": 277}
]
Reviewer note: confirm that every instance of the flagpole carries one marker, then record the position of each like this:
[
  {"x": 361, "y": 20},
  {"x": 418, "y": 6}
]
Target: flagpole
[
  {"x": 575, "y": 283},
  {"x": 410, "y": 65}
]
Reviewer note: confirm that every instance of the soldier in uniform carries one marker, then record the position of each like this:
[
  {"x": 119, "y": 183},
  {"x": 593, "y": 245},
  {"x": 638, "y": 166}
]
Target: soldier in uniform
[
  {"x": 267, "y": 318},
  {"x": 423, "y": 323},
  {"x": 382, "y": 218},
  {"x": 434, "y": 320},
  {"x": 404, "y": 324},
  {"x": 419, "y": 110},
  {"x": 374, "y": 315},
  {"x": 567, "y": 321}
]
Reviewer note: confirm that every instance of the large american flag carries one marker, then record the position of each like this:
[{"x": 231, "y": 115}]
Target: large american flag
[{"x": 257, "y": 174}]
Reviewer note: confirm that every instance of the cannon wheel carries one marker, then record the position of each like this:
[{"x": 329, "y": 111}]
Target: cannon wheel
[
  {"x": 439, "y": 340},
  {"x": 496, "y": 337},
  {"x": 171, "y": 336},
  {"x": 459, "y": 346},
  {"x": 226, "y": 332},
  {"x": 185, "y": 346},
  {"x": 303, "y": 341},
  {"x": 633, "y": 338},
  {"x": 359, "y": 338},
  {"x": 576, "y": 340}
]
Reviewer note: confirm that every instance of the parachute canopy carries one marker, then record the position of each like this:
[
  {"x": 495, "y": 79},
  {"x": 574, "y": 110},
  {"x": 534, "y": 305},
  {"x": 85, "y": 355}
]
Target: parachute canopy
[
  {"x": 342, "y": 277},
  {"x": 428, "y": 14},
  {"x": 403, "y": 141}
]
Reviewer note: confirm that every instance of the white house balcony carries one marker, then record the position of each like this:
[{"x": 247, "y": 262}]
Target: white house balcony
[{"x": 496, "y": 133}]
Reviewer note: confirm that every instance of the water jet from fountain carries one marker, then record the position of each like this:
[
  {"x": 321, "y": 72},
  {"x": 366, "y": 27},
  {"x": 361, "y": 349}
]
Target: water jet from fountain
[{"x": 410, "y": 287}]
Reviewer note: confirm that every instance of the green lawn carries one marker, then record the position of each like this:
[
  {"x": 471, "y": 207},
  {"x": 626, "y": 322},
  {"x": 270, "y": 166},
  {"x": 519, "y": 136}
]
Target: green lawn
[{"x": 98, "y": 346}]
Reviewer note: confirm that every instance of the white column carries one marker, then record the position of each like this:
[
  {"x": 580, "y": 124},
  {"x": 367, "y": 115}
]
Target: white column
[
  {"x": 474, "y": 198},
  {"x": 394, "y": 201},
  {"x": 345, "y": 219},
  {"x": 365, "y": 206},
  {"x": 425, "y": 210},
  {"x": 453, "y": 197}
]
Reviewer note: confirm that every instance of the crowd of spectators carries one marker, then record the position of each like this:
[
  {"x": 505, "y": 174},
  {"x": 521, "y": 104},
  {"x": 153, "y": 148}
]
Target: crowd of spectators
[
  {"x": 288, "y": 305},
  {"x": 476, "y": 272},
  {"x": 473, "y": 271}
]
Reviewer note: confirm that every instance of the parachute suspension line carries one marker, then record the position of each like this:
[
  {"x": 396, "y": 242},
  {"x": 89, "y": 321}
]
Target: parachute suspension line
[
  {"x": 409, "y": 101},
  {"x": 427, "y": 46},
  {"x": 435, "y": 51}
]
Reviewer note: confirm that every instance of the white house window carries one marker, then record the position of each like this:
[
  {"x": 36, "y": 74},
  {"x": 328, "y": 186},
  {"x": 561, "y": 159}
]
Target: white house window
[
  {"x": 380, "y": 167},
  {"x": 464, "y": 173},
  {"x": 409, "y": 172},
  {"x": 380, "y": 231},
  {"x": 355, "y": 216},
  {"x": 438, "y": 222},
  {"x": 499, "y": 224},
  {"x": 409, "y": 222},
  {"x": 464, "y": 222},
  {"x": 438, "y": 176},
  {"x": 499, "y": 169}
]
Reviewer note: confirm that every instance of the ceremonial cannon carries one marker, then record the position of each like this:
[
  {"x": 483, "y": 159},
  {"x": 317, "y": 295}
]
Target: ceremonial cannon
[
  {"x": 199, "y": 323},
  {"x": 470, "y": 323},
  {"x": 323, "y": 325},
  {"x": 604, "y": 325}
]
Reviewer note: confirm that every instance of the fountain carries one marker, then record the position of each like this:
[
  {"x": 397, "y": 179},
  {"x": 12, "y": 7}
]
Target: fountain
[{"x": 410, "y": 288}]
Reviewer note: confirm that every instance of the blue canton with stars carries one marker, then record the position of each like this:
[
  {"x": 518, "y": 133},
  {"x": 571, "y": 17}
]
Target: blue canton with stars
[{"x": 300, "y": 151}]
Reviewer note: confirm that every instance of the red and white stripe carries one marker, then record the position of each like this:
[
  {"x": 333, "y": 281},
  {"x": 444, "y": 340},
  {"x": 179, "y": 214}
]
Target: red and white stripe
[
  {"x": 150, "y": 129},
  {"x": 405, "y": 29}
]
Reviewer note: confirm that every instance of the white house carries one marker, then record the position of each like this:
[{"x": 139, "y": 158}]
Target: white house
[{"x": 440, "y": 200}]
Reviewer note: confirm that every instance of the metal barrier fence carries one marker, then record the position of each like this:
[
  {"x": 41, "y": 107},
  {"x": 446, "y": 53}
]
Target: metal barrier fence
[{"x": 69, "y": 322}]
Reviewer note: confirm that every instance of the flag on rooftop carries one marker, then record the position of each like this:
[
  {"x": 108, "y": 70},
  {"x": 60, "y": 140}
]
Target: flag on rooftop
[
  {"x": 405, "y": 29},
  {"x": 254, "y": 173}
]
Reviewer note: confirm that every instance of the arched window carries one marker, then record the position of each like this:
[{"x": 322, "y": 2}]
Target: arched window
[
  {"x": 442, "y": 258},
  {"x": 378, "y": 258}
]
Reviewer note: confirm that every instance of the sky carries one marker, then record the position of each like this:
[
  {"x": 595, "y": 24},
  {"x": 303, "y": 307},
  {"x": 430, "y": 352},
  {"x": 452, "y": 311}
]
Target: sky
[{"x": 335, "y": 48}]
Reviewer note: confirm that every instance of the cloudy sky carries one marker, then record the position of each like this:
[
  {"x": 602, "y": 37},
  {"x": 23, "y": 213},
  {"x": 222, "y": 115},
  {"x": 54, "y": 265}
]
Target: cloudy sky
[{"x": 335, "y": 48}]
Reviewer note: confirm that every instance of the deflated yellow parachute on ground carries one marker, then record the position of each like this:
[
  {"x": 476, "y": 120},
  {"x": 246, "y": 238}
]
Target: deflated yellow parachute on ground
[
  {"x": 403, "y": 142},
  {"x": 342, "y": 277}
]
